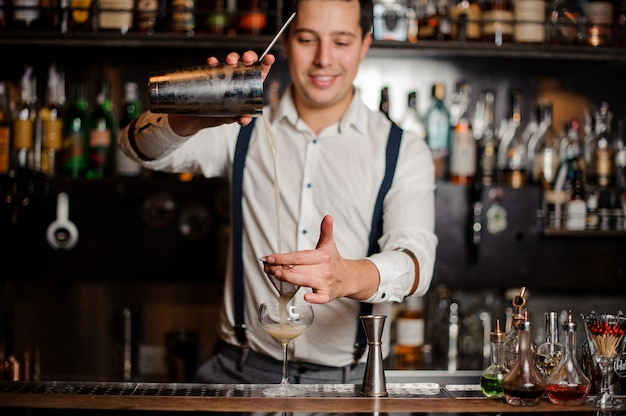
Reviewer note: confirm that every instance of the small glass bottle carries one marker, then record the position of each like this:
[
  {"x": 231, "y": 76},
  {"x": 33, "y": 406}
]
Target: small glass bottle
[
  {"x": 524, "y": 385},
  {"x": 548, "y": 354},
  {"x": 491, "y": 378},
  {"x": 412, "y": 120},
  {"x": 545, "y": 146},
  {"x": 438, "y": 130},
  {"x": 512, "y": 150},
  {"x": 510, "y": 343},
  {"x": 568, "y": 385}
]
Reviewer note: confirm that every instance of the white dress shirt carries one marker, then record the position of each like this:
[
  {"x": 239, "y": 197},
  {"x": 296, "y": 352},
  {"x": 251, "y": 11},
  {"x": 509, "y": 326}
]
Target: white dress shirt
[{"x": 336, "y": 172}]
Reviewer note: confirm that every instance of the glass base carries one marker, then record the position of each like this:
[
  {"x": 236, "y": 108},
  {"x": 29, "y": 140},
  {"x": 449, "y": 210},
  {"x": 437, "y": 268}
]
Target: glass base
[
  {"x": 605, "y": 401},
  {"x": 284, "y": 390}
]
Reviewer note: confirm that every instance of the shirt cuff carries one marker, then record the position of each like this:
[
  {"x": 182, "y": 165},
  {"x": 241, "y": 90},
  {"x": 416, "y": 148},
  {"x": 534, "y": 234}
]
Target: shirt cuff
[{"x": 397, "y": 273}]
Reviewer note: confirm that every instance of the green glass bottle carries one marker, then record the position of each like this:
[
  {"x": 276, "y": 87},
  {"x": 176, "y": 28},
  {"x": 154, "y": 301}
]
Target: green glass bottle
[
  {"x": 76, "y": 133},
  {"x": 102, "y": 135},
  {"x": 491, "y": 378}
]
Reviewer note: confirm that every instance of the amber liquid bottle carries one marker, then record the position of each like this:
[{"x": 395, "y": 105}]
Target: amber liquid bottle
[
  {"x": 251, "y": 19},
  {"x": 410, "y": 334},
  {"x": 498, "y": 22}
]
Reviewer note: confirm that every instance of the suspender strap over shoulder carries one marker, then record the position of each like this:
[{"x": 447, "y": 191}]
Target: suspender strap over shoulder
[{"x": 376, "y": 231}]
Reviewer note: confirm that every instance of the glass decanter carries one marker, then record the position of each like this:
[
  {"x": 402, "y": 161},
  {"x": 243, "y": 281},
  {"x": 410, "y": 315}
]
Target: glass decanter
[
  {"x": 491, "y": 378},
  {"x": 524, "y": 385},
  {"x": 568, "y": 385},
  {"x": 548, "y": 354}
]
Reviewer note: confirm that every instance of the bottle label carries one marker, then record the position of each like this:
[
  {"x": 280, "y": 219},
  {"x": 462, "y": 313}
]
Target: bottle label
[
  {"x": 116, "y": 14},
  {"x": 473, "y": 29},
  {"x": 4, "y": 149},
  {"x": 410, "y": 332},
  {"x": 100, "y": 138},
  {"x": 529, "y": 26},
  {"x": 52, "y": 134},
  {"x": 390, "y": 21},
  {"x": 146, "y": 14},
  {"x": 183, "y": 16},
  {"x": 23, "y": 134}
]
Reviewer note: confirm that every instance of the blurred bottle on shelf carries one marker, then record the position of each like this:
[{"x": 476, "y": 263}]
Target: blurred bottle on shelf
[
  {"x": 438, "y": 130},
  {"x": 116, "y": 15},
  {"x": 22, "y": 149},
  {"x": 216, "y": 19},
  {"x": 390, "y": 20},
  {"x": 466, "y": 20},
  {"x": 427, "y": 20},
  {"x": 102, "y": 135},
  {"x": 544, "y": 145},
  {"x": 131, "y": 109},
  {"x": 530, "y": 18},
  {"x": 76, "y": 132},
  {"x": 251, "y": 17},
  {"x": 5, "y": 128},
  {"x": 52, "y": 114},
  {"x": 410, "y": 334},
  {"x": 602, "y": 164},
  {"x": 463, "y": 146},
  {"x": 498, "y": 22},
  {"x": 576, "y": 218},
  {"x": 620, "y": 156},
  {"x": 599, "y": 16},
  {"x": 25, "y": 14},
  {"x": 512, "y": 150},
  {"x": 182, "y": 16},
  {"x": 83, "y": 16},
  {"x": 412, "y": 120},
  {"x": 487, "y": 168},
  {"x": 565, "y": 23},
  {"x": 150, "y": 16}
]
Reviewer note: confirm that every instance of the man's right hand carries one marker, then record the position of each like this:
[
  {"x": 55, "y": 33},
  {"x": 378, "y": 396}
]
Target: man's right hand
[{"x": 185, "y": 125}]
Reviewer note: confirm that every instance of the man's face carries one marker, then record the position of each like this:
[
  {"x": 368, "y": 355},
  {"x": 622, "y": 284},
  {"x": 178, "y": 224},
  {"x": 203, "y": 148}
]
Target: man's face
[{"x": 324, "y": 49}]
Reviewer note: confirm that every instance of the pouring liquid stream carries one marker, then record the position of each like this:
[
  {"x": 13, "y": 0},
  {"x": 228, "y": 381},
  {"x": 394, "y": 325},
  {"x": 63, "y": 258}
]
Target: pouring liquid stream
[{"x": 286, "y": 290}]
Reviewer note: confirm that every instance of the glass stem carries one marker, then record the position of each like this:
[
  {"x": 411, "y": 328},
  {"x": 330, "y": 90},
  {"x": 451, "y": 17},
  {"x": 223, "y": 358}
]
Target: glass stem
[
  {"x": 285, "y": 379},
  {"x": 606, "y": 382}
]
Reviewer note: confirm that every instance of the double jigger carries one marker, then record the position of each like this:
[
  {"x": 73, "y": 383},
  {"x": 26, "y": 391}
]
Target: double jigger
[{"x": 374, "y": 384}]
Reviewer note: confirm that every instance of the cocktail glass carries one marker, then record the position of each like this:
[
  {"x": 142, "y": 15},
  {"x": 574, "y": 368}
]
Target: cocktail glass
[
  {"x": 285, "y": 321},
  {"x": 605, "y": 333}
]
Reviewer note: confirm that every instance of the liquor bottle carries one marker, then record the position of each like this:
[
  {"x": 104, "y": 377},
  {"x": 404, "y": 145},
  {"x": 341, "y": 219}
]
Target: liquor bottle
[
  {"x": 52, "y": 114},
  {"x": 182, "y": 16},
  {"x": 548, "y": 354},
  {"x": 383, "y": 105},
  {"x": 565, "y": 22},
  {"x": 217, "y": 20},
  {"x": 444, "y": 24},
  {"x": 251, "y": 19},
  {"x": 529, "y": 21},
  {"x": 76, "y": 132},
  {"x": 492, "y": 376},
  {"x": 466, "y": 17},
  {"x": 412, "y": 120},
  {"x": 410, "y": 334},
  {"x": 427, "y": 20},
  {"x": 102, "y": 135},
  {"x": 438, "y": 130},
  {"x": 545, "y": 145},
  {"x": 602, "y": 164},
  {"x": 599, "y": 16},
  {"x": 25, "y": 14},
  {"x": 5, "y": 129},
  {"x": 22, "y": 150},
  {"x": 390, "y": 20},
  {"x": 130, "y": 111},
  {"x": 619, "y": 37},
  {"x": 571, "y": 147},
  {"x": 116, "y": 15},
  {"x": 576, "y": 218},
  {"x": 487, "y": 168},
  {"x": 498, "y": 22},
  {"x": 524, "y": 385},
  {"x": 83, "y": 16},
  {"x": 146, "y": 15},
  {"x": 412, "y": 28},
  {"x": 463, "y": 146},
  {"x": 512, "y": 152},
  {"x": 568, "y": 385}
]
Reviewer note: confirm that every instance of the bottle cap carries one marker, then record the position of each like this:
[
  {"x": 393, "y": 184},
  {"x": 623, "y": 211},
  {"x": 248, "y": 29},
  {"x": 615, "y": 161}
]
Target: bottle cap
[{"x": 498, "y": 336}]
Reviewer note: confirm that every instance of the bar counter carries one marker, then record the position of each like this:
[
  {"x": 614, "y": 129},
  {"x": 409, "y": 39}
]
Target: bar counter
[{"x": 117, "y": 397}]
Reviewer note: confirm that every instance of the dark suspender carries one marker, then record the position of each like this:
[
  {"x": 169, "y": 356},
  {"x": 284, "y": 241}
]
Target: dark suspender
[{"x": 241, "y": 150}]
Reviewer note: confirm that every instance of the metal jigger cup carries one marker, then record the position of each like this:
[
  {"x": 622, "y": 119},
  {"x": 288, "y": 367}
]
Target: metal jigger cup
[
  {"x": 212, "y": 91},
  {"x": 374, "y": 384}
]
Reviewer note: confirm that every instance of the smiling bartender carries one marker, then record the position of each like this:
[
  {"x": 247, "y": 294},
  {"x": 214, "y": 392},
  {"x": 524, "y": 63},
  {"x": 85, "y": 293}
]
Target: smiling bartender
[{"x": 339, "y": 164}]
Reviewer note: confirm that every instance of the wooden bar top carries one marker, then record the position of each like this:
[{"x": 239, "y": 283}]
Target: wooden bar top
[{"x": 313, "y": 398}]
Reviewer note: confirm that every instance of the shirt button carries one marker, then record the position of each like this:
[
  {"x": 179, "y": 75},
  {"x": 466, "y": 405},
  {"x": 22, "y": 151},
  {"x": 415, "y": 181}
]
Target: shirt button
[
  {"x": 304, "y": 231},
  {"x": 309, "y": 185},
  {"x": 382, "y": 295},
  {"x": 314, "y": 141}
]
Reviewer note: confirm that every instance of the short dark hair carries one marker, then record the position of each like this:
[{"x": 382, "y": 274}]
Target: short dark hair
[{"x": 367, "y": 12}]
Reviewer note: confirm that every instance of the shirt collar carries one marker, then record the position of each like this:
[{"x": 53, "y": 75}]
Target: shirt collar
[{"x": 352, "y": 119}]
